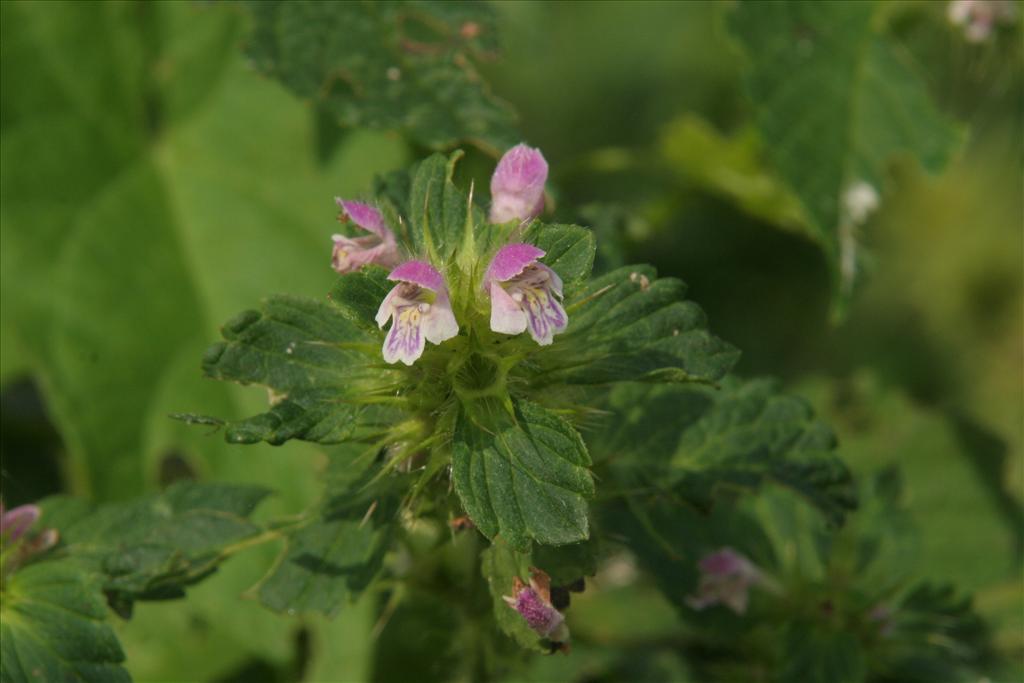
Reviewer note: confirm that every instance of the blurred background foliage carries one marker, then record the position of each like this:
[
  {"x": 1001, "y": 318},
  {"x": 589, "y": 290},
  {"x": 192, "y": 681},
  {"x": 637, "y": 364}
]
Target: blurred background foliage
[{"x": 153, "y": 183}]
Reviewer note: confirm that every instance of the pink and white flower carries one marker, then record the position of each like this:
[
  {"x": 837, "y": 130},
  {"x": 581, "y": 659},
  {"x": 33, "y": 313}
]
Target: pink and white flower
[
  {"x": 352, "y": 253},
  {"x": 980, "y": 17},
  {"x": 525, "y": 294},
  {"x": 517, "y": 186},
  {"x": 420, "y": 309},
  {"x": 533, "y": 602},
  {"x": 726, "y": 578}
]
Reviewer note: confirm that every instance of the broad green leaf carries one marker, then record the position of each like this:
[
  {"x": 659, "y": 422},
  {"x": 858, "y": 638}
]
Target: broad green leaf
[
  {"x": 147, "y": 172},
  {"x": 500, "y": 565},
  {"x": 699, "y": 442},
  {"x": 52, "y": 627},
  {"x": 731, "y": 167},
  {"x": 631, "y": 325},
  {"x": 522, "y": 477},
  {"x": 156, "y": 546},
  {"x": 835, "y": 100},
  {"x": 396, "y": 65}
]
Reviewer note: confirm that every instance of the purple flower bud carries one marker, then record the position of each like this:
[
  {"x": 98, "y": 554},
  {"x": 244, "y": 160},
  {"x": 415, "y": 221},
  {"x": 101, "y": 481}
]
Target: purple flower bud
[
  {"x": 525, "y": 294},
  {"x": 352, "y": 253},
  {"x": 421, "y": 310},
  {"x": 726, "y": 577},
  {"x": 14, "y": 523},
  {"x": 517, "y": 186},
  {"x": 533, "y": 602}
]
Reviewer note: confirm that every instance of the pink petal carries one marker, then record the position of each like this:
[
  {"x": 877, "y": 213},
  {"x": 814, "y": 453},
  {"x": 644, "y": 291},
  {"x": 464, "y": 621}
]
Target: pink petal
[
  {"x": 439, "y": 322},
  {"x": 511, "y": 260},
  {"x": 365, "y": 216},
  {"x": 723, "y": 562},
  {"x": 17, "y": 521},
  {"x": 419, "y": 273},
  {"x": 517, "y": 186},
  {"x": 546, "y": 316},
  {"x": 507, "y": 317}
]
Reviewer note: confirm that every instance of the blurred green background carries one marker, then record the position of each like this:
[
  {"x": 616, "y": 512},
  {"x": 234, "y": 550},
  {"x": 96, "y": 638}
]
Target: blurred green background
[{"x": 153, "y": 184}]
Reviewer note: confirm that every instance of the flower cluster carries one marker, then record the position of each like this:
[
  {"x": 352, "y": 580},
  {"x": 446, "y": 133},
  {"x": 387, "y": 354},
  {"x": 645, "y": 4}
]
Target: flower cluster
[{"x": 524, "y": 294}]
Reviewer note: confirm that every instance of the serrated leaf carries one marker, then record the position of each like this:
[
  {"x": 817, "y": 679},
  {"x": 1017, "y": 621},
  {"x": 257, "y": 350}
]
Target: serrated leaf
[
  {"x": 52, "y": 627},
  {"x": 522, "y": 477},
  {"x": 328, "y": 562},
  {"x": 868, "y": 104},
  {"x": 437, "y": 210},
  {"x": 157, "y": 545},
  {"x": 358, "y": 295},
  {"x": 630, "y": 325},
  {"x": 401, "y": 65},
  {"x": 697, "y": 442},
  {"x": 501, "y": 564},
  {"x": 569, "y": 251},
  {"x": 312, "y": 355}
]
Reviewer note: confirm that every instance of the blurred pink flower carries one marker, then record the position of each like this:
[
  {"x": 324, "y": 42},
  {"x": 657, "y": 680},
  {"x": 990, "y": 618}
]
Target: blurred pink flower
[{"x": 352, "y": 253}]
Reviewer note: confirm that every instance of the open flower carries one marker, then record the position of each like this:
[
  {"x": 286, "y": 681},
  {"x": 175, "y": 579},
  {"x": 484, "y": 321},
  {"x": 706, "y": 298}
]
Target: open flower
[
  {"x": 726, "y": 578},
  {"x": 517, "y": 186},
  {"x": 420, "y": 309},
  {"x": 533, "y": 602},
  {"x": 352, "y": 253},
  {"x": 525, "y": 294}
]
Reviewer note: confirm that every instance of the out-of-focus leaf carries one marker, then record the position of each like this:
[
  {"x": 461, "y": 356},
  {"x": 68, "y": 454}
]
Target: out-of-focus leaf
[
  {"x": 697, "y": 442},
  {"x": 421, "y": 641},
  {"x": 730, "y": 167},
  {"x": 398, "y": 65},
  {"x": 522, "y": 477},
  {"x": 156, "y": 546},
  {"x": 835, "y": 100},
  {"x": 814, "y": 655},
  {"x": 631, "y": 325},
  {"x": 52, "y": 627}
]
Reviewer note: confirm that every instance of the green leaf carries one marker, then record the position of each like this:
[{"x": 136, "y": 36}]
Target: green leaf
[
  {"x": 325, "y": 564},
  {"x": 331, "y": 560},
  {"x": 868, "y": 103},
  {"x": 437, "y": 211},
  {"x": 52, "y": 627},
  {"x": 630, "y": 325},
  {"x": 400, "y": 65},
  {"x": 522, "y": 477},
  {"x": 157, "y": 545},
  {"x": 426, "y": 631},
  {"x": 731, "y": 167},
  {"x": 569, "y": 251},
  {"x": 818, "y": 655},
  {"x": 313, "y": 356},
  {"x": 699, "y": 442},
  {"x": 500, "y": 565}
]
